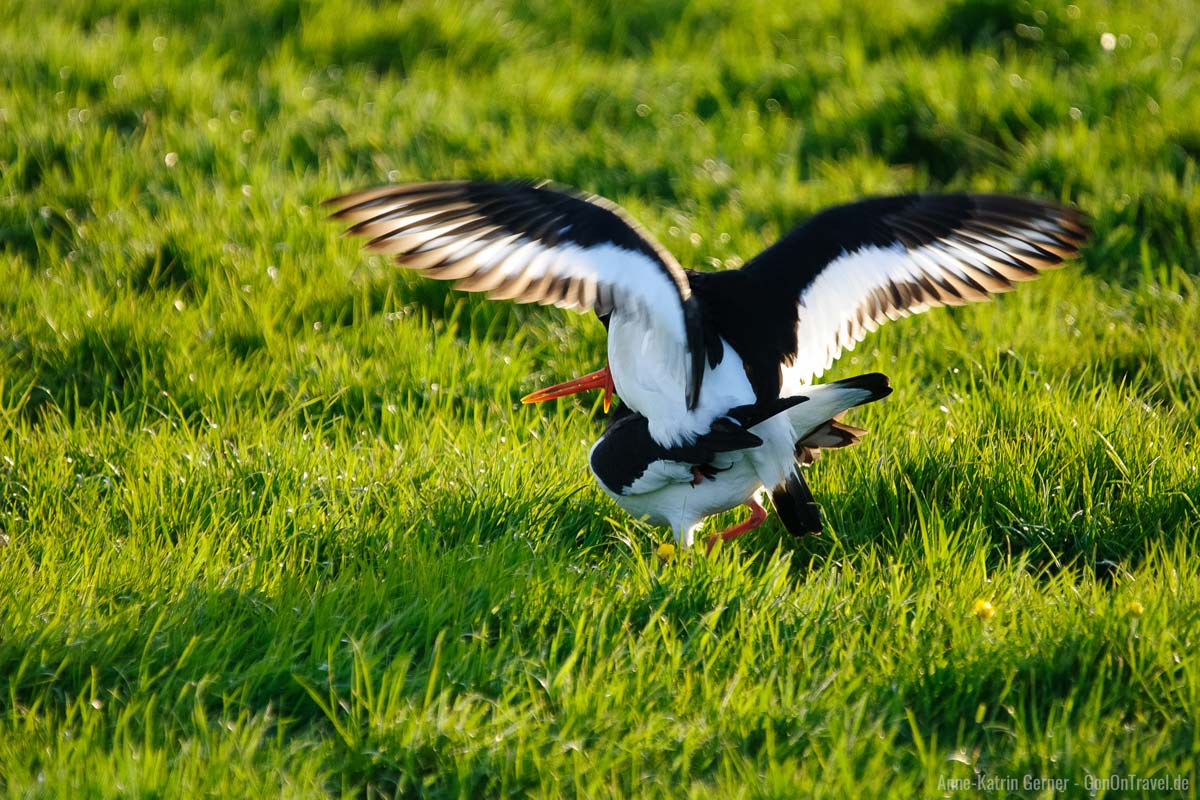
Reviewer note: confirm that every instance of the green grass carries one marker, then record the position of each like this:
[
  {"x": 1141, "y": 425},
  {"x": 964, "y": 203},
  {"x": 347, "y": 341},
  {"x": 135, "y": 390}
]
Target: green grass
[{"x": 273, "y": 523}]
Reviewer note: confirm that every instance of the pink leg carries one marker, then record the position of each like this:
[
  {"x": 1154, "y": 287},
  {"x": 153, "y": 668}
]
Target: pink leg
[{"x": 758, "y": 515}]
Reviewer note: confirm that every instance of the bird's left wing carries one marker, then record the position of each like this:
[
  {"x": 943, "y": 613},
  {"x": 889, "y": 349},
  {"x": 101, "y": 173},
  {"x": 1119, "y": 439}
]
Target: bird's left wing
[{"x": 851, "y": 268}]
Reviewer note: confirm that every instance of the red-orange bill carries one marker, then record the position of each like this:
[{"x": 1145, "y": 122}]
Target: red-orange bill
[{"x": 600, "y": 379}]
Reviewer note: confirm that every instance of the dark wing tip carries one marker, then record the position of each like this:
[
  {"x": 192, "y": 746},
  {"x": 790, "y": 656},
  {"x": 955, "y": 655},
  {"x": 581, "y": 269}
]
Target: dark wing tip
[
  {"x": 725, "y": 435},
  {"x": 1077, "y": 221},
  {"x": 796, "y": 506},
  {"x": 875, "y": 383},
  {"x": 339, "y": 207},
  {"x": 1069, "y": 222},
  {"x": 752, "y": 414}
]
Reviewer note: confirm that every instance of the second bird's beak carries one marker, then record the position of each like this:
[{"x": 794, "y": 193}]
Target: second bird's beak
[{"x": 600, "y": 379}]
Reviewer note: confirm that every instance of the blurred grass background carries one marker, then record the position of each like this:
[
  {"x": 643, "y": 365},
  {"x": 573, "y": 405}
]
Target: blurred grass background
[{"x": 271, "y": 521}]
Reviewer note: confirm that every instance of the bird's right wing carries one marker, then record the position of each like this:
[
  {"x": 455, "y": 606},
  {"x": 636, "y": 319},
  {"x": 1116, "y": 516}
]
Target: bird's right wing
[
  {"x": 834, "y": 278},
  {"x": 532, "y": 243}
]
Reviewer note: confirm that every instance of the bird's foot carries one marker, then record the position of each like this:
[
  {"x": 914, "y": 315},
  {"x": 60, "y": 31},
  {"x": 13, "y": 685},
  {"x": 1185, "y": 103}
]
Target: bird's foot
[{"x": 758, "y": 515}]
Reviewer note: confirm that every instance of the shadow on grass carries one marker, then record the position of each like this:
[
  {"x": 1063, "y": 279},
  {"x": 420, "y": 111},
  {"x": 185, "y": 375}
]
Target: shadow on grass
[
  {"x": 999, "y": 25},
  {"x": 986, "y": 699},
  {"x": 103, "y": 369},
  {"x": 1108, "y": 526}
]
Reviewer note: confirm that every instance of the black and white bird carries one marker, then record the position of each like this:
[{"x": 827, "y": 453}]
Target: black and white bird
[
  {"x": 685, "y": 347},
  {"x": 682, "y": 485}
]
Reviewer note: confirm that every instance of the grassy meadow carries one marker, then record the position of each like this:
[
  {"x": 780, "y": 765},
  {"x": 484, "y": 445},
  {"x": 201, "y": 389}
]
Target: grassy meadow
[{"x": 273, "y": 522}]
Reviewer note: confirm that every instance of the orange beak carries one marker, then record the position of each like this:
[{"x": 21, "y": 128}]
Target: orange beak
[{"x": 600, "y": 379}]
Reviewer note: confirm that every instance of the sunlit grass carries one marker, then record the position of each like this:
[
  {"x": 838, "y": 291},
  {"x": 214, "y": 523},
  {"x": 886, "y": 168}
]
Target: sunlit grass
[{"x": 273, "y": 522}]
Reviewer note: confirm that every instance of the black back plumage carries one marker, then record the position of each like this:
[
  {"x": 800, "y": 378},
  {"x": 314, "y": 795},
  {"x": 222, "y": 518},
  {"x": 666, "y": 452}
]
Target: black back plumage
[{"x": 626, "y": 450}]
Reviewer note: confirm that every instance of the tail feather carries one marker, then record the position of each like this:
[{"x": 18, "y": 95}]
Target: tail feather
[
  {"x": 876, "y": 384},
  {"x": 795, "y": 505},
  {"x": 753, "y": 413},
  {"x": 725, "y": 435},
  {"x": 818, "y": 419}
]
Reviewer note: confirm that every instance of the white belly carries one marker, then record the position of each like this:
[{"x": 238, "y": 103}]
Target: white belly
[{"x": 683, "y": 506}]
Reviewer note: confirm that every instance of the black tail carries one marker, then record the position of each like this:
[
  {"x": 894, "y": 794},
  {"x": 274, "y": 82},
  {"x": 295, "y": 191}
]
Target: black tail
[
  {"x": 795, "y": 505},
  {"x": 793, "y": 501}
]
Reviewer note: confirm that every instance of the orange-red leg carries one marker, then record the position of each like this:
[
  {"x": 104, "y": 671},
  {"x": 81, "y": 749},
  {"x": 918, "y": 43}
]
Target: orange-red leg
[{"x": 758, "y": 516}]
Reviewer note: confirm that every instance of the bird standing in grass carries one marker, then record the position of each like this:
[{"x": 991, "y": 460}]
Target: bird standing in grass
[
  {"x": 722, "y": 468},
  {"x": 691, "y": 353}
]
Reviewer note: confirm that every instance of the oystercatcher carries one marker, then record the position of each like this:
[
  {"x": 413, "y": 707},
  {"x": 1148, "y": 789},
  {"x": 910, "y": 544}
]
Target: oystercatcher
[
  {"x": 685, "y": 347},
  {"x": 722, "y": 467}
]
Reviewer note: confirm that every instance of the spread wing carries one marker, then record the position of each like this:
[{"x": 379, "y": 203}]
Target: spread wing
[
  {"x": 847, "y": 270},
  {"x": 530, "y": 243}
]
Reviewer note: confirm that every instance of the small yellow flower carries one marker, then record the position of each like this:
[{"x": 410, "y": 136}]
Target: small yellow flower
[
  {"x": 1135, "y": 608},
  {"x": 983, "y": 609},
  {"x": 665, "y": 551}
]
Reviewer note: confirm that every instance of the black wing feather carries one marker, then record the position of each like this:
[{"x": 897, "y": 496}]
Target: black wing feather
[
  {"x": 947, "y": 249},
  {"x": 530, "y": 242}
]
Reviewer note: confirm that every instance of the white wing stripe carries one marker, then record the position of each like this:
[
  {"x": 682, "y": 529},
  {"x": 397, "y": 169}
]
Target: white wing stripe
[
  {"x": 857, "y": 290},
  {"x": 526, "y": 243}
]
